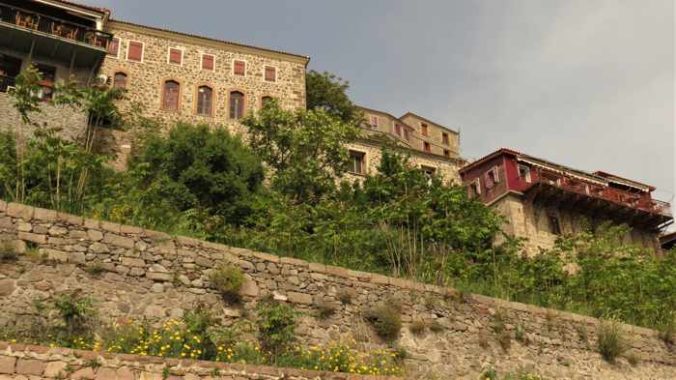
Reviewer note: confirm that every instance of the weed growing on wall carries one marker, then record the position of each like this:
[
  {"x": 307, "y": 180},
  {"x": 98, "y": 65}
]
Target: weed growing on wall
[
  {"x": 386, "y": 320},
  {"x": 227, "y": 280},
  {"x": 611, "y": 342}
]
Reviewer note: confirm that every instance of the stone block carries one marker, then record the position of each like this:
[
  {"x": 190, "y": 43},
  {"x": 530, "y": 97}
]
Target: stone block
[
  {"x": 293, "y": 261},
  {"x": 7, "y": 364},
  {"x": 300, "y": 298},
  {"x": 45, "y": 215},
  {"x": 17, "y": 210},
  {"x": 125, "y": 373},
  {"x": 132, "y": 262},
  {"x": 30, "y": 367},
  {"x": 120, "y": 241},
  {"x": 249, "y": 288},
  {"x": 56, "y": 255},
  {"x": 34, "y": 238},
  {"x": 131, "y": 230},
  {"x": 55, "y": 369},
  {"x": 106, "y": 374},
  {"x": 94, "y": 235},
  {"x": 98, "y": 248},
  {"x": 24, "y": 226},
  {"x": 71, "y": 219},
  {"x": 156, "y": 276},
  {"x": 110, "y": 226},
  {"x": 83, "y": 373},
  {"x": 92, "y": 224}
]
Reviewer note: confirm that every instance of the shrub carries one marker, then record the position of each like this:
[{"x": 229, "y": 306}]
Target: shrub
[
  {"x": 667, "y": 332},
  {"x": 78, "y": 318},
  {"x": 276, "y": 326},
  {"x": 520, "y": 335},
  {"x": 418, "y": 327},
  {"x": 611, "y": 342},
  {"x": 95, "y": 269},
  {"x": 227, "y": 280},
  {"x": 325, "y": 309},
  {"x": 8, "y": 252},
  {"x": 385, "y": 320},
  {"x": 500, "y": 330}
]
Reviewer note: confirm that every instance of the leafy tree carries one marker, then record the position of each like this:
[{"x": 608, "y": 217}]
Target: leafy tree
[
  {"x": 306, "y": 149},
  {"x": 327, "y": 92}
]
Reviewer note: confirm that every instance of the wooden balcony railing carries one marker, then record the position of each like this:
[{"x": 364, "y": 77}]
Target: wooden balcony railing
[
  {"x": 51, "y": 25},
  {"x": 625, "y": 198}
]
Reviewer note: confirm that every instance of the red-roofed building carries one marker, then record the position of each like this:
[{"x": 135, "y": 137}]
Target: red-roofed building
[{"x": 542, "y": 200}]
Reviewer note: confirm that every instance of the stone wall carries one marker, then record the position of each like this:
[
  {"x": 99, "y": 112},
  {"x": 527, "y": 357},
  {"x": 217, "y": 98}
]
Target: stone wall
[
  {"x": 70, "y": 122},
  {"x": 153, "y": 275},
  {"x": 24, "y": 362},
  {"x": 531, "y": 221}
]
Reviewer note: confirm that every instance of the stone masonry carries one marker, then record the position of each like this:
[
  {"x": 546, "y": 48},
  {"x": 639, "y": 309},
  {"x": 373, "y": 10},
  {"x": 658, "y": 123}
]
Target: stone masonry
[
  {"x": 149, "y": 274},
  {"x": 25, "y": 362}
]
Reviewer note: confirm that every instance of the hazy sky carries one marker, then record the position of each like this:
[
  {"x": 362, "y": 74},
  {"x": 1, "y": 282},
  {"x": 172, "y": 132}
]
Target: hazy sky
[{"x": 586, "y": 83}]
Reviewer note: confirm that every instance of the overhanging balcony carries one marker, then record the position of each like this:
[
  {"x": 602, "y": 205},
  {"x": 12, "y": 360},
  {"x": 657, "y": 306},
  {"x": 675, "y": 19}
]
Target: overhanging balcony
[
  {"x": 50, "y": 37},
  {"x": 636, "y": 210}
]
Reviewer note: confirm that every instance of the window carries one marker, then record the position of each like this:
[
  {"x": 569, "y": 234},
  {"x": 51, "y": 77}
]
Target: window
[
  {"x": 406, "y": 134},
  {"x": 492, "y": 177},
  {"x": 270, "y": 74},
  {"x": 444, "y": 138},
  {"x": 266, "y": 100},
  {"x": 208, "y": 62},
  {"x": 447, "y": 153},
  {"x": 428, "y": 171},
  {"x": 120, "y": 80},
  {"x": 114, "y": 47},
  {"x": 475, "y": 188},
  {"x": 373, "y": 121},
  {"x": 554, "y": 224},
  {"x": 204, "y": 100},
  {"x": 427, "y": 147},
  {"x": 423, "y": 129},
  {"x": 175, "y": 56},
  {"x": 524, "y": 172},
  {"x": 236, "y": 105},
  {"x": 135, "y": 51},
  {"x": 170, "y": 95},
  {"x": 357, "y": 162},
  {"x": 47, "y": 83},
  {"x": 397, "y": 129},
  {"x": 239, "y": 67}
]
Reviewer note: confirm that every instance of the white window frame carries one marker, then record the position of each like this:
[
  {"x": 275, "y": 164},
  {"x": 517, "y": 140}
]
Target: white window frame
[
  {"x": 371, "y": 119},
  {"x": 181, "y": 49},
  {"x": 246, "y": 64},
  {"x": 119, "y": 49},
  {"x": 363, "y": 161},
  {"x": 527, "y": 177},
  {"x": 202, "y": 62},
  {"x": 143, "y": 51},
  {"x": 264, "y": 69},
  {"x": 477, "y": 185}
]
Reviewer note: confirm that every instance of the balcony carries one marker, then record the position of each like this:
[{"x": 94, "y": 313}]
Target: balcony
[
  {"x": 597, "y": 199},
  {"x": 53, "y": 26},
  {"x": 6, "y": 82}
]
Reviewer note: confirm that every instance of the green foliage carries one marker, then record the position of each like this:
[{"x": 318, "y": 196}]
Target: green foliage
[
  {"x": 305, "y": 149},
  {"x": 276, "y": 326},
  {"x": 386, "y": 320},
  {"x": 327, "y": 92},
  {"x": 227, "y": 280},
  {"x": 611, "y": 342},
  {"x": 8, "y": 252},
  {"x": 78, "y": 317}
]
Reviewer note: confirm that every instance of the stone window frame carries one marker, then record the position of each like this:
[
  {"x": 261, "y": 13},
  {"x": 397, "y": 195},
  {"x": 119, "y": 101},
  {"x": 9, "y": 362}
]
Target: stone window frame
[
  {"x": 213, "y": 56},
  {"x": 120, "y": 71},
  {"x": 276, "y": 72},
  {"x": 180, "y": 94},
  {"x": 179, "y": 48},
  {"x": 213, "y": 99},
  {"x": 143, "y": 52},
  {"x": 119, "y": 49},
  {"x": 245, "y": 102},
  {"x": 356, "y": 152},
  {"x": 266, "y": 96},
  {"x": 233, "y": 68}
]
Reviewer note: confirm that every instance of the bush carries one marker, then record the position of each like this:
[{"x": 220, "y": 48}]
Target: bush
[
  {"x": 8, "y": 252},
  {"x": 276, "y": 324},
  {"x": 385, "y": 319},
  {"x": 611, "y": 341},
  {"x": 417, "y": 327},
  {"x": 227, "y": 280}
]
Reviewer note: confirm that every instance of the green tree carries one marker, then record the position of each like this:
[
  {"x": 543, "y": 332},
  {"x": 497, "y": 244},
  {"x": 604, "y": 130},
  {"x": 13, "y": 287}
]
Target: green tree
[
  {"x": 305, "y": 149},
  {"x": 327, "y": 92}
]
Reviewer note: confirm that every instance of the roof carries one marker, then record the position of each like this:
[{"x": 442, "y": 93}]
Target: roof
[
  {"x": 386, "y": 114},
  {"x": 84, "y": 6},
  {"x": 597, "y": 176},
  {"x": 429, "y": 121},
  {"x": 305, "y": 58}
]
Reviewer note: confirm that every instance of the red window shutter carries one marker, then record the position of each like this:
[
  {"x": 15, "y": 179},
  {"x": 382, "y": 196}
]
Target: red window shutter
[
  {"x": 239, "y": 67},
  {"x": 114, "y": 46},
  {"x": 207, "y": 62},
  {"x": 135, "y": 52},
  {"x": 270, "y": 74},
  {"x": 175, "y": 56}
]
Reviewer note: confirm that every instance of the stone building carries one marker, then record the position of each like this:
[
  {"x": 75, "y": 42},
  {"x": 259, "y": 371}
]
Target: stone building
[
  {"x": 431, "y": 147},
  {"x": 542, "y": 200}
]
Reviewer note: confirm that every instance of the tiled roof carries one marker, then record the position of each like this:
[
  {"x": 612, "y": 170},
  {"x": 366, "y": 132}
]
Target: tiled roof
[{"x": 91, "y": 8}]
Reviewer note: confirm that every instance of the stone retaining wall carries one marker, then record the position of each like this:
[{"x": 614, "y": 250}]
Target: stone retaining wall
[
  {"x": 148, "y": 274},
  {"x": 24, "y": 362}
]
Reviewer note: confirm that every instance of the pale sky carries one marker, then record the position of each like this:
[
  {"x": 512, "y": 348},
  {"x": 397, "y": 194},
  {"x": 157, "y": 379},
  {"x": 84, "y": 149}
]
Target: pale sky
[{"x": 585, "y": 83}]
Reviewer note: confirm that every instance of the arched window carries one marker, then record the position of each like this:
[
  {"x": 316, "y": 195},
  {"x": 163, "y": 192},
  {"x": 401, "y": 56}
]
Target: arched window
[
  {"x": 170, "y": 95},
  {"x": 236, "y": 105},
  {"x": 204, "y": 100},
  {"x": 120, "y": 80},
  {"x": 266, "y": 100}
]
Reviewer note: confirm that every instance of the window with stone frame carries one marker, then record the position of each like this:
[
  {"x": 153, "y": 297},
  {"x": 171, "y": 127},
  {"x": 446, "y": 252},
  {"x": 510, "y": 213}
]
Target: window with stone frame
[
  {"x": 236, "y": 105},
  {"x": 208, "y": 62},
  {"x": 357, "y": 162},
  {"x": 475, "y": 188},
  {"x": 524, "y": 172},
  {"x": 114, "y": 47},
  {"x": 171, "y": 92},
  {"x": 175, "y": 56},
  {"x": 204, "y": 100},
  {"x": 120, "y": 80},
  {"x": 239, "y": 67},
  {"x": 135, "y": 51},
  {"x": 444, "y": 138},
  {"x": 427, "y": 147},
  {"x": 266, "y": 100},
  {"x": 423, "y": 129},
  {"x": 447, "y": 153},
  {"x": 270, "y": 74}
]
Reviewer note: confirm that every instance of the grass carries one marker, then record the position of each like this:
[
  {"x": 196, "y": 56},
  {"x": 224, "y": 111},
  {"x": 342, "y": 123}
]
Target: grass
[
  {"x": 227, "y": 279},
  {"x": 611, "y": 341},
  {"x": 385, "y": 319}
]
